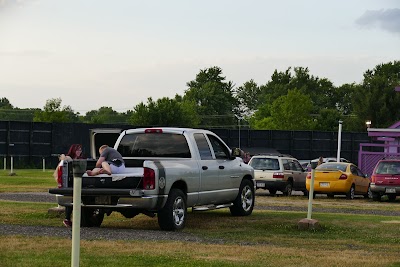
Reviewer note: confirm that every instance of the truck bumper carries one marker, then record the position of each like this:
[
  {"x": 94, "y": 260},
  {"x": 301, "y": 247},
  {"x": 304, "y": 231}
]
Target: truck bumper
[{"x": 136, "y": 199}]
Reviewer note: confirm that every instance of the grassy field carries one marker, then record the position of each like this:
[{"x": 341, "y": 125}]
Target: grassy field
[{"x": 266, "y": 238}]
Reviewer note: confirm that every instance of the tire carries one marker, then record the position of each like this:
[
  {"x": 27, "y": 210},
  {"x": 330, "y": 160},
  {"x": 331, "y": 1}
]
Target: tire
[
  {"x": 272, "y": 191},
  {"x": 330, "y": 195},
  {"x": 308, "y": 194},
  {"x": 351, "y": 193},
  {"x": 91, "y": 217},
  {"x": 172, "y": 217},
  {"x": 391, "y": 197},
  {"x": 288, "y": 189},
  {"x": 368, "y": 195},
  {"x": 305, "y": 192},
  {"x": 376, "y": 196},
  {"x": 244, "y": 203}
]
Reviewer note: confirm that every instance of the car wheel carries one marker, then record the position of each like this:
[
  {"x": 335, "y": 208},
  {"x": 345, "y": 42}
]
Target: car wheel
[
  {"x": 91, "y": 217},
  {"x": 391, "y": 197},
  {"x": 288, "y": 189},
  {"x": 272, "y": 191},
  {"x": 369, "y": 193},
  {"x": 376, "y": 196},
  {"x": 173, "y": 215},
  {"x": 351, "y": 193},
  {"x": 244, "y": 202},
  {"x": 305, "y": 192}
]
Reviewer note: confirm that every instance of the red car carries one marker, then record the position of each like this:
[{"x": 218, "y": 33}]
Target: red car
[{"x": 385, "y": 179}]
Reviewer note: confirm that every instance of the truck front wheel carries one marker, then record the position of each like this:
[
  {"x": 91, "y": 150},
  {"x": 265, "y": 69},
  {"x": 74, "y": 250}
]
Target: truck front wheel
[
  {"x": 244, "y": 202},
  {"x": 173, "y": 216}
]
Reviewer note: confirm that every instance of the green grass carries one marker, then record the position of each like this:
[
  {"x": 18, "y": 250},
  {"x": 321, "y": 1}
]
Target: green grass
[
  {"x": 26, "y": 181},
  {"x": 266, "y": 238}
]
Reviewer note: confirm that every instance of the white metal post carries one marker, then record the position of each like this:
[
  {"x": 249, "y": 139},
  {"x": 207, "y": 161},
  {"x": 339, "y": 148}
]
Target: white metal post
[
  {"x": 79, "y": 168},
  {"x": 12, "y": 165},
  {"x": 5, "y": 163},
  {"x": 339, "y": 141},
  {"x": 44, "y": 163},
  {"x": 311, "y": 194}
]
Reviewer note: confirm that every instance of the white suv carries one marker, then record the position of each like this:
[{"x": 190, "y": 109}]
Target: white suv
[{"x": 279, "y": 173}]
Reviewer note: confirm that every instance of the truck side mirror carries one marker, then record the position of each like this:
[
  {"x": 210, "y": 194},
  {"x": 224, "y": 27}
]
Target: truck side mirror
[{"x": 236, "y": 152}]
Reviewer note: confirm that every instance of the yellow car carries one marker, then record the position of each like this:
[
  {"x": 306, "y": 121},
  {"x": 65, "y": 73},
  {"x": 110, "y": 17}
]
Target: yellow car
[{"x": 340, "y": 178}]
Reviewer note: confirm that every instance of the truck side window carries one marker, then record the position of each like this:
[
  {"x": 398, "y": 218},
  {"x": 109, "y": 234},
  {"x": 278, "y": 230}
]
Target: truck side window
[
  {"x": 203, "y": 147},
  {"x": 220, "y": 151}
]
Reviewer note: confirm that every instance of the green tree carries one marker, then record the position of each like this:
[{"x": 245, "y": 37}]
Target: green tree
[
  {"x": 344, "y": 98},
  {"x": 9, "y": 113},
  {"x": 53, "y": 112},
  {"x": 321, "y": 91},
  {"x": 213, "y": 98},
  {"x": 285, "y": 113},
  {"x": 248, "y": 97},
  {"x": 376, "y": 99},
  {"x": 327, "y": 119},
  {"x": 105, "y": 115},
  {"x": 165, "y": 112},
  {"x": 5, "y": 103}
]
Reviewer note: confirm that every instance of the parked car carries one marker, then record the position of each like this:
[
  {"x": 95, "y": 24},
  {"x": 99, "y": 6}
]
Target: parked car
[
  {"x": 304, "y": 163},
  {"x": 385, "y": 179},
  {"x": 313, "y": 163},
  {"x": 278, "y": 173},
  {"x": 340, "y": 178}
]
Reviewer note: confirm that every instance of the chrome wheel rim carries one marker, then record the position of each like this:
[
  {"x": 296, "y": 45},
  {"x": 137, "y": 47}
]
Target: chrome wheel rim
[
  {"x": 178, "y": 211},
  {"x": 247, "y": 198}
]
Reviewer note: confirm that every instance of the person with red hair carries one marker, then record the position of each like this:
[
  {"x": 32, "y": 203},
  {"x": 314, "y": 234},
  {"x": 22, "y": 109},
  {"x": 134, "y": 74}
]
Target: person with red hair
[{"x": 74, "y": 152}]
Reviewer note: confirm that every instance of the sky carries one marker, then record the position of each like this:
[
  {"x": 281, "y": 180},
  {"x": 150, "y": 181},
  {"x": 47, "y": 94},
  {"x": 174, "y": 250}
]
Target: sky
[{"x": 103, "y": 53}]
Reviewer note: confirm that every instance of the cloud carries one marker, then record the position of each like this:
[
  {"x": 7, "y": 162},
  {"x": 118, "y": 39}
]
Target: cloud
[{"x": 386, "y": 19}]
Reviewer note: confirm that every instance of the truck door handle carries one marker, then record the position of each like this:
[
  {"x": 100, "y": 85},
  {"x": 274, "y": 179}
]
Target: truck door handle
[
  {"x": 204, "y": 167},
  {"x": 221, "y": 167}
]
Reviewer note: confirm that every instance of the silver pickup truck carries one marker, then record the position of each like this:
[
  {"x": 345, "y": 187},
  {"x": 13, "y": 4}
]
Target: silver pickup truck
[{"x": 167, "y": 171}]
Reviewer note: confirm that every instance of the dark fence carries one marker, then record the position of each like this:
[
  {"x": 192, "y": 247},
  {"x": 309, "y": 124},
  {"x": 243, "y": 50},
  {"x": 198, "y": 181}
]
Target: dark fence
[{"x": 31, "y": 142}]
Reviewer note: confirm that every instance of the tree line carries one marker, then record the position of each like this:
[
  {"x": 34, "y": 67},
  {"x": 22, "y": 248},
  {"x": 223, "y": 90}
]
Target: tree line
[{"x": 292, "y": 99}]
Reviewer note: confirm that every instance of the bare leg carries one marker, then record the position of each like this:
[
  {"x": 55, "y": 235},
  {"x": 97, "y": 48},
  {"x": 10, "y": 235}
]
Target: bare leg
[
  {"x": 106, "y": 168},
  {"x": 93, "y": 172}
]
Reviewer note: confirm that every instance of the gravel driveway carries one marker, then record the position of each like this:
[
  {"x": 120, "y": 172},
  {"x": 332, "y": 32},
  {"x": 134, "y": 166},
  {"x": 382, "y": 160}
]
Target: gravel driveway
[{"x": 132, "y": 234}]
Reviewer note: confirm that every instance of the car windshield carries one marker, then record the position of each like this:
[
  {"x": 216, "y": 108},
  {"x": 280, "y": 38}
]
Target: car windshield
[
  {"x": 332, "y": 166},
  {"x": 265, "y": 164},
  {"x": 388, "y": 167}
]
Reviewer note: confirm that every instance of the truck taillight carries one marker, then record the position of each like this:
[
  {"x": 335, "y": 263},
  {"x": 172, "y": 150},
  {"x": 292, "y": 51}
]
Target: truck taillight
[
  {"x": 278, "y": 175},
  {"x": 152, "y": 130},
  {"x": 309, "y": 175},
  {"x": 59, "y": 176},
  {"x": 343, "y": 177},
  {"x": 149, "y": 178}
]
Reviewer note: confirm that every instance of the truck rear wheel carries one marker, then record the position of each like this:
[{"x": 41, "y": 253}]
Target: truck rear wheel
[
  {"x": 91, "y": 217},
  {"x": 244, "y": 202},
  {"x": 173, "y": 216}
]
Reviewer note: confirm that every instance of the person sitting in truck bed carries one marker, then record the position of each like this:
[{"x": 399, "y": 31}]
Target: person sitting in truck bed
[{"x": 110, "y": 161}]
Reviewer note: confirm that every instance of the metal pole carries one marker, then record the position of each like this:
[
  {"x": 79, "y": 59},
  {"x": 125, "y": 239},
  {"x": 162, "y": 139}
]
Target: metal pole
[
  {"x": 79, "y": 168},
  {"x": 12, "y": 164},
  {"x": 239, "y": 130},
  {"x": 339, "y": 141},
  {"x": 44, "y": 163},
  {"x": 311, "y": 194},
  {"x": 5, "y": 163}
]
